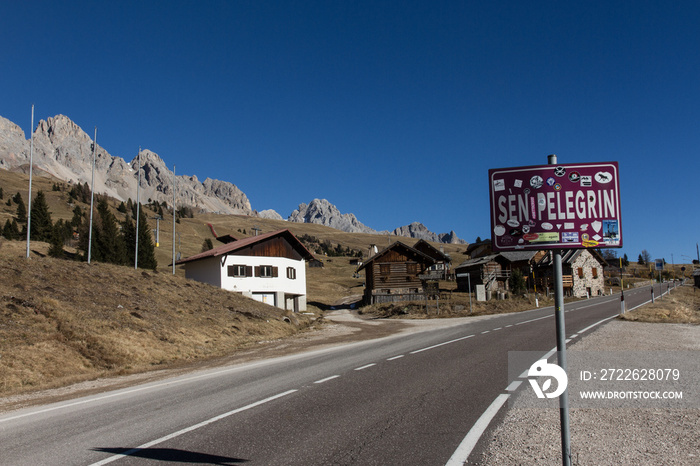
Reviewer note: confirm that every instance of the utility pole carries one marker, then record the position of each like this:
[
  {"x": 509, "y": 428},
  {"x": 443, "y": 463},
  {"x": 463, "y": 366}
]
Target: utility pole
[
  {"x": 31, "y": 162},
  {"x": 561, "y": 347},
  {"x": 92, "y": 193}
]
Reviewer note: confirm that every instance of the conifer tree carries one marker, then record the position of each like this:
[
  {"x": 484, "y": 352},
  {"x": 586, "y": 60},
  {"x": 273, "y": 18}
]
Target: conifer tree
[
  {"x": 77, "y": 219},
  {"x": 42, "y": 226},
  {"x": 108, "y": 245},
  {"x": 147, "y": 254},
  {"x": 11, "y": 230},
  {"x": 21, "y": 214},
  {"x": 56, "y": 249}
]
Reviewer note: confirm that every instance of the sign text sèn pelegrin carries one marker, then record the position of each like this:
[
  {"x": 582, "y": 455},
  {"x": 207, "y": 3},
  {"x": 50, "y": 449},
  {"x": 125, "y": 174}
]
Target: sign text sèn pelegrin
[{"x": 567, "y": 206}]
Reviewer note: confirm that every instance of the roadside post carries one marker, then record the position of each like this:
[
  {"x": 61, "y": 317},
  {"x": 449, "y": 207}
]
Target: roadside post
[
  {"x": 622, "y": 291},
  {"x": 659, "y": 264},
  {"x": 556, "y": 207}
]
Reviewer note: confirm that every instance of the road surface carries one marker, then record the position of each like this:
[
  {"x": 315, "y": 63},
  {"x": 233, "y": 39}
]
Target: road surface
[{"x": 420, "y": 398}]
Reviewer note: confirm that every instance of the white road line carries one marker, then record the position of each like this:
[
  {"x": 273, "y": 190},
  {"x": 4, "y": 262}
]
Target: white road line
[
  {"x": 365, "y": 367},
  {"x": 441, "y": 344},
  {"x": 327, "y": 379},
  {"x": 485, "y": 332},
  {"x": 513, "y": 385},
  {"x": 190, "y": 429},
  {"x": 460, "y": 456},
  {"x": 499, "y": 328},
  {"x": 395, "y": 357}
]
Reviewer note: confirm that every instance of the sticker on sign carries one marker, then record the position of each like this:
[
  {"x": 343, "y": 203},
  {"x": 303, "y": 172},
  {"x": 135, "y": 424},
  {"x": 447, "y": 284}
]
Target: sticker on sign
[{"x": 574, "y": 199}]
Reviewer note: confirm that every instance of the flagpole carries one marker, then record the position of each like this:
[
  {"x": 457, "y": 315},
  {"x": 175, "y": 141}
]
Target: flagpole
[
  {"x": 92, "y": 194},
  {"x": 138, "y": 212},
  {"x": 31, "y": 162},
  {"x": 174, "y": 219}
]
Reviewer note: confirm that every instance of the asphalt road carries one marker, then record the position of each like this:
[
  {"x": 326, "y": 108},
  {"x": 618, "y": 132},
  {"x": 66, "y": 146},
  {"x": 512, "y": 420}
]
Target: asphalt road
[{"x": 406, "y": 399}]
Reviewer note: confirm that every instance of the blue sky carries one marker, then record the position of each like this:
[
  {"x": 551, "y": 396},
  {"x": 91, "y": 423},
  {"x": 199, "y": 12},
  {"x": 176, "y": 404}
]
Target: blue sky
[{"x": 393, "y": 111}]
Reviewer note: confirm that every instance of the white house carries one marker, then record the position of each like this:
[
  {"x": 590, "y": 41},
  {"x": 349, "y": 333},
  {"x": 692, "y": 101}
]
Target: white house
[{"x": 270, "y": 268}]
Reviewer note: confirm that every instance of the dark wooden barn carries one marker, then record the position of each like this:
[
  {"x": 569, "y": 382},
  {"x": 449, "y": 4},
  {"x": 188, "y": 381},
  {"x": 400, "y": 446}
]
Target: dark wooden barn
[{"x": 393, "y": 274}]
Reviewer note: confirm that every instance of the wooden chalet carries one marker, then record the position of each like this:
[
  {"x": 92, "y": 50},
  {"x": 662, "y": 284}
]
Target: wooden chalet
[
  {"x": 492, "y": 271},
  {"x": 443, "y": 261},
  {"x": 393, "y": 274}
]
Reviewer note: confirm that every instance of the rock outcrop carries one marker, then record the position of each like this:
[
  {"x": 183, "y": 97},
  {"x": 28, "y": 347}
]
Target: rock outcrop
[
  {"x": 419, "y": 231},
  {"x": 322, "y": 212}
]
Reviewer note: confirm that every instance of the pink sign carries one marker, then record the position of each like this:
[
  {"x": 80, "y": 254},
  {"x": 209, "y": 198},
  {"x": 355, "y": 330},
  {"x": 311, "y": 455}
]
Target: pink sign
[{"x": 567, "y": 206}]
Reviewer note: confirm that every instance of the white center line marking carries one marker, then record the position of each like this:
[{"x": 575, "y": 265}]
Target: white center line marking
[
  {"x": 395, "y": 357},
  {"x": 327, "y": 379},
  {"x": 365, "y": 367},
  {"x": 441, "y": 344}
]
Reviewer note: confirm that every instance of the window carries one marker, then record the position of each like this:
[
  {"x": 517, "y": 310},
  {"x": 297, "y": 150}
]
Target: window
[
  {"x": 291, "y": 273},
  {"x": 595, "y": 272},
  {"x": 580, "y": 272},
  {"x": 412, "y": 268},
  {"x": 266, "y": 271},
  {"x": 239, "y": 271},
  {"x": 384, "y": 269}
]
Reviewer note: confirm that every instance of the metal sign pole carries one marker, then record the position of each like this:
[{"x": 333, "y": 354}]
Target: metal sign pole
[
  {"x": 561, "y": 347},
  {"x": 29, "y": 198}
]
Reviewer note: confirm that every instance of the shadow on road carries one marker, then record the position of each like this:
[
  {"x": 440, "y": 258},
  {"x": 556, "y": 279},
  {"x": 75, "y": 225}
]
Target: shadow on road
[{"x": 172, "y": 455}]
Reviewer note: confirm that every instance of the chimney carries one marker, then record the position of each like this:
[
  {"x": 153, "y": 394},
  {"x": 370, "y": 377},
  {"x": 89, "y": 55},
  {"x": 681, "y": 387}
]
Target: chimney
[{"x": 372, "y": 250}]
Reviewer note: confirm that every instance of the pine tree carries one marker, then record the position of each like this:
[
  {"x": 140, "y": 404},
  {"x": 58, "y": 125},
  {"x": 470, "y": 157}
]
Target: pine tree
[
  {"x": 11, "y": 230},
  {"x": 42, "y": 226},
  {"x": 56, "y": 249},
  {"x": 147, "y": 249},
  {"x": 147, "y": 255},
  {"x": 77, "y": 219},
  {"x": 109, "y": 243},
  {"x": 21, "y": 214}
]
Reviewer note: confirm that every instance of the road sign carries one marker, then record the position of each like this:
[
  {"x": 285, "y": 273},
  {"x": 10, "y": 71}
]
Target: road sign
[
  {"x": 659, "y": 263},
  {"x": 566, "y": 206}
]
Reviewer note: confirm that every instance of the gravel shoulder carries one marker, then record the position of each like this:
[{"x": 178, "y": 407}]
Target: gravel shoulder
[{"x": 631, "y": 436}]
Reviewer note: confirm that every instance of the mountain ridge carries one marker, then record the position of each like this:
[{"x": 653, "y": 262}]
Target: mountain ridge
[{"x": 64, "y": 150}]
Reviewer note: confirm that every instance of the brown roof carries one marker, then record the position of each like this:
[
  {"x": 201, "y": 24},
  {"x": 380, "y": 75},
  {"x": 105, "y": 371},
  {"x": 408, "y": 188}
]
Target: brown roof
[
  {"x": 397, "y": 245},
  {"x": 245, "y": 242}
]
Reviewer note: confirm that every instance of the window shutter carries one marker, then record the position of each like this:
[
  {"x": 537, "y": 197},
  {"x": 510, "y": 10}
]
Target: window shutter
[
  {"x": 580, "y": 272},
  {"x": 257, "y": 270},
  {"x": 274, "y": 272},
  {"x": 248, "y": 271},
  {"x": 230, "y": 271}
]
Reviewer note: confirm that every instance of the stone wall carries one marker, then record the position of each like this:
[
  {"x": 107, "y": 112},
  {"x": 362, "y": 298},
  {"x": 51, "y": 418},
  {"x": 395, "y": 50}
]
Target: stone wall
[{"x": 587, "y": 263}]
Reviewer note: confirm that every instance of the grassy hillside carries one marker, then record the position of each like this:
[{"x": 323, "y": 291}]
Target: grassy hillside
[
  {"x": 326, "y": 285},
  {"x": 65, "y": 321}
]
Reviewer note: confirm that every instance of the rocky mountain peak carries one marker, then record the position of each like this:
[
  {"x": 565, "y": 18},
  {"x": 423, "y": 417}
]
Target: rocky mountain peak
[{"x": 322, "y": 212}]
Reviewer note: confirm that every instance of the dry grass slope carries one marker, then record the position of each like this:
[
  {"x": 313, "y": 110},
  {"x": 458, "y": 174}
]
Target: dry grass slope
[{"x": 62, "y": 322}]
